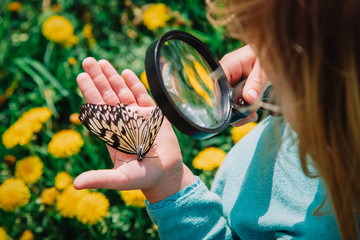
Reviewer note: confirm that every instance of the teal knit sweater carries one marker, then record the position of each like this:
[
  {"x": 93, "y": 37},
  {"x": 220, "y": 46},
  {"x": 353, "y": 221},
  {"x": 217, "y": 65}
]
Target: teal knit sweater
[{"x": 259, "y": 192}]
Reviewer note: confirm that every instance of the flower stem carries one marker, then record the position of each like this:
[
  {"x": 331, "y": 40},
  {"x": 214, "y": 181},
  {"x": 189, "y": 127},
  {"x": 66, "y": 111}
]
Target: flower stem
[{"x": 48, "y": 52}]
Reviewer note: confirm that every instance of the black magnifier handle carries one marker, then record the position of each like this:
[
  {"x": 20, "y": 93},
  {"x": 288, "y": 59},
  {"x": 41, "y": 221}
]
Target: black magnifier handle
[{"x": 241, "y": 109}]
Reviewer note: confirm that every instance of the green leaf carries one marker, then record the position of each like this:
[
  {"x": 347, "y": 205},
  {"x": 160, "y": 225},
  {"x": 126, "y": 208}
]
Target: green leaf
[
  {"x": 37, "y": 79},
  {"x": 47, "y": 75},
  {"x": 20, "y": 63}
]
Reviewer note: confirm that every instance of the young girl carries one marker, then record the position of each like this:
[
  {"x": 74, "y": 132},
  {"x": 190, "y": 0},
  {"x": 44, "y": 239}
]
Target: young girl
[{"x": 276, "y": 183}]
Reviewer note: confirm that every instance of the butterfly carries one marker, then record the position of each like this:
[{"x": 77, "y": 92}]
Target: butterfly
[{"x": 121, "y": 128}]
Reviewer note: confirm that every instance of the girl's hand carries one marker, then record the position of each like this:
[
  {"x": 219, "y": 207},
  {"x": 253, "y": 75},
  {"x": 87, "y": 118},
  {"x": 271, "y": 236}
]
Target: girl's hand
[
  {"x": 244, "y": 63},
  {"x": 157, "y": 177}
]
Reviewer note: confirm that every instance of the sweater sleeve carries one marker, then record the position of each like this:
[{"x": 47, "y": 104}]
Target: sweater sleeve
[{"x": 193, "y": 213}]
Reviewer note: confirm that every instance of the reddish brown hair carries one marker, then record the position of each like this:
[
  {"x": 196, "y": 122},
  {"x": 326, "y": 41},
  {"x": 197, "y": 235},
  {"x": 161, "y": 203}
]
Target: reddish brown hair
[{"x": 313, "y": 47}]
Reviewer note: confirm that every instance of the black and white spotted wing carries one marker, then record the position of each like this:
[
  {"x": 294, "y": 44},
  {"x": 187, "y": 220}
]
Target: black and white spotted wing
[{"x": 121, "y": 128}]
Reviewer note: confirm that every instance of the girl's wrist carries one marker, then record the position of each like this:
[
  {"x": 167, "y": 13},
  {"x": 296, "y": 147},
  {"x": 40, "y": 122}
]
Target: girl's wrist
[{"x": 170, "y": 186}]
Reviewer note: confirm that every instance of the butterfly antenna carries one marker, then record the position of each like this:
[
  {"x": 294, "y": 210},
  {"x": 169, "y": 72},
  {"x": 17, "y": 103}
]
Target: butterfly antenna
[
  {"x": 151, "y": 156},
  {"x": 126, "y": 161}
]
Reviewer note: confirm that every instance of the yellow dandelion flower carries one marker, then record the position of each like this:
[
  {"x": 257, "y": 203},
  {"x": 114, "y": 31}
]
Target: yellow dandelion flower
[
  {"x": 39, "y": 114},
  {"x": 29, "y": 169},
  {"x": 3, "y": 234},
  {"x": 144, "y": 80},
  {"x": 209, "y": 158},
  {"x": 74, "y": 119},
  {"x": 88, "y": 34},
  {"x": 14, "y": 193},
  {"x": 133, "y": 198},
  {"x": 65, "y": 143},
  {"x": 27, "y": 235},
  {"x": 63, "y": 180},
  {"x": 48, "y": 196},
  {"x": 18, "y": 133},
  {"x": 156, "y": 16},
  {"x": 239, "y": 132},
  {"x": 24, "y": 128},
  {"x": 57, "y": 29},
  {"x": 14, "y": 6},
  {"x": 68, "y": 200},
  {"x": 87, "y": 31},
  {"x": 72, "y": 61},
  {"x": 99, "y": 205}
]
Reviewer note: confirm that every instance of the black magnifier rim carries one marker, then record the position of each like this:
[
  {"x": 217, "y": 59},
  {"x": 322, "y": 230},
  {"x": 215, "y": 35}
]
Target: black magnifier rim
[{"x": 164, "y": 100}]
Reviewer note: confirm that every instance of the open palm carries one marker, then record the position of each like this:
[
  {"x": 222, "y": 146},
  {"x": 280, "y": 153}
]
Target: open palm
[{"x": 159, "y": 176}]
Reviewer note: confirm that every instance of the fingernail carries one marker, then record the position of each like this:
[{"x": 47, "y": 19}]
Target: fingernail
[{"x": 253, "y": 93}]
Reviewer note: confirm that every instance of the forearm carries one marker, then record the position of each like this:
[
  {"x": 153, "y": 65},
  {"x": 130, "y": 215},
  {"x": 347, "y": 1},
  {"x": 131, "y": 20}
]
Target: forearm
[
  {"x": 171, "y": 183},
  {"x": 192, "y": 213}
]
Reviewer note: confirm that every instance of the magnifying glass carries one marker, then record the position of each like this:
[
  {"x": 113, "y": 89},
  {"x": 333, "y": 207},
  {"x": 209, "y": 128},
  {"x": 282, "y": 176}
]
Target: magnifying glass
[{"x": 190, "y": 87}]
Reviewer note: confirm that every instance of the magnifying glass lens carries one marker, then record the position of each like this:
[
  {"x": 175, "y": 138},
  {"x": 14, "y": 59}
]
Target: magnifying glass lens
[
  {"x": 189, "y": 85},
  {"x": 187, "y": 78}
]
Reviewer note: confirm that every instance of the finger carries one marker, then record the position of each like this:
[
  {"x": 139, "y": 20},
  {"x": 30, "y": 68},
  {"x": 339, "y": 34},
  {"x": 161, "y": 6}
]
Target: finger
[
  {"x": 238, "y": 64},
  {"x": 117, "y": 83},
  {"x": 138, "y": 89},
  {"x": 88, "y": 89},
  {"x": 255, "y": 84},
  {"x": 252, "y": 117},
  {"x": 92, "y": 67},
  {"x": 108, "y": 179}
]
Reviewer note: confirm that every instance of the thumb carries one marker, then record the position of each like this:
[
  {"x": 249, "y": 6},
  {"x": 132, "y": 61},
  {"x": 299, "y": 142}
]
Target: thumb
[
  {"x": 108, "y": 179},
  {"x": 255, "y": 84}
]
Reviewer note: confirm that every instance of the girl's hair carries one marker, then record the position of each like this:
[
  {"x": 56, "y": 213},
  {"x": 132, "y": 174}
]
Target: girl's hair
[{"x": 313, "y": 46}]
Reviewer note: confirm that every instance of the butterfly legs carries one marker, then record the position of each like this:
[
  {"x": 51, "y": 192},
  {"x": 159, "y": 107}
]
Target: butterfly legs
[{"x": 137, "y": 158}]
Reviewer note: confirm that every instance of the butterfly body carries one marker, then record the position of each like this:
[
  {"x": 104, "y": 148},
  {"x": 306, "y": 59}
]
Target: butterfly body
[
  {"x": 140, "y": 153},
  {"x": 121, "y": 128}
]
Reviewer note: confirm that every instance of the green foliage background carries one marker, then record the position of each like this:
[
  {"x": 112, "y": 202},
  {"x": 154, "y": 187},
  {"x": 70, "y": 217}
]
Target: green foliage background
[{"x": 39, "y": 74}]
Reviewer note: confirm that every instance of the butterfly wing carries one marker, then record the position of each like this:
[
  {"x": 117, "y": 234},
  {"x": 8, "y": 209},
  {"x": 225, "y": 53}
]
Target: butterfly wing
[
  {"x": 107, "y": 123},
  {"x": 121, "y": 128},
  {"x": 153, "y": 125},
  {"x": 135, "y": 125}
]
